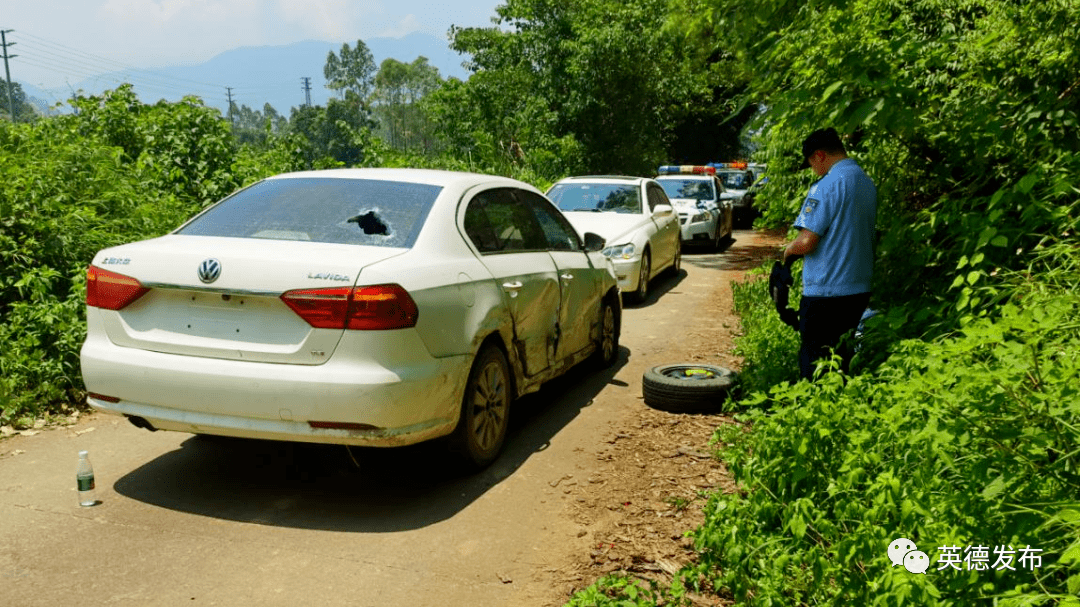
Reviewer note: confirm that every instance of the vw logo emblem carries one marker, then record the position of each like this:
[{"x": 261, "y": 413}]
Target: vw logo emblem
[{"x": 209, "y": 270}]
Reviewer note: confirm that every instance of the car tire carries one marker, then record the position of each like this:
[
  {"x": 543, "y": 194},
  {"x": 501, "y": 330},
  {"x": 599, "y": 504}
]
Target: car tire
[
  {"x": 676, "y": 264},
  {"x": 607, "y": 348},
  {"x": 485, "y": 410},
  {"x": 642, "y": 291},
  {"x": 687, "y": 387}
]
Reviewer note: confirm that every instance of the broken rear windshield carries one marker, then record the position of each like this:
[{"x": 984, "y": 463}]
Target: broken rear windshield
[{"x": 321, "y": 209}]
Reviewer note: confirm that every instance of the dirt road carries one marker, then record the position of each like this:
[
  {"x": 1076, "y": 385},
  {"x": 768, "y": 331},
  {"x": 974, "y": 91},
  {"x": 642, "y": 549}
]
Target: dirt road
[{"x": 591, "y": 481}]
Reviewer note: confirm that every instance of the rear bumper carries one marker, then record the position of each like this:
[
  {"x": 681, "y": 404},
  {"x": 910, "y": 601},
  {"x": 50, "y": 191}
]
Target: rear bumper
[{"x": 385, "y": 405}]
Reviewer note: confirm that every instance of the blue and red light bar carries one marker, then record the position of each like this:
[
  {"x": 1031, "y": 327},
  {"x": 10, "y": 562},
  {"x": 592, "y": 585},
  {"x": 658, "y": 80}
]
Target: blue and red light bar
[
  {"x": 728, "y": 165},
  {"x": 686, "y": 169}
]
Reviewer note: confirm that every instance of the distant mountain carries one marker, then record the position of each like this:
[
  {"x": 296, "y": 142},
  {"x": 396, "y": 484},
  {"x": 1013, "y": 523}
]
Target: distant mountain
[
  {"x": 36, "y": 97},
  {"x": 260, "y": 75}
]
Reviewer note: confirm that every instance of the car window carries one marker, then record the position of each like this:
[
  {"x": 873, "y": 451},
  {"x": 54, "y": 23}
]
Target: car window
[
  {"x": 321, "y": 209},
  {"x": 656, "y": 196},
  {"x": 561, "y": 236},
  {"x": 694, "y": 189},
  {"x": 498, "y": 221},
  {"x": 734, "y": 180},
  {"x": 598, "y": 197}
]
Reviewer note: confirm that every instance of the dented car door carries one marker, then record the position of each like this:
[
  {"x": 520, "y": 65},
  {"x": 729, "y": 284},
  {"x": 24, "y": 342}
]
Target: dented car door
[{"x": 513, "y": 247}]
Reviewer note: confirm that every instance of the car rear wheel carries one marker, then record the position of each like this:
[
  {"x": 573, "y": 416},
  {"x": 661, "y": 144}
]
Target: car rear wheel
[
  {"x": 481, "y": 429},
  {"x": 687, "y": 387}
]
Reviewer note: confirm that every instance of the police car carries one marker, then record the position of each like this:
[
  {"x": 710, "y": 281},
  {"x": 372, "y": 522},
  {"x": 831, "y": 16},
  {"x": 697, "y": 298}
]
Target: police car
[
  {"x": 737, "y": 178},
  {"x": 704, "y": 205}
]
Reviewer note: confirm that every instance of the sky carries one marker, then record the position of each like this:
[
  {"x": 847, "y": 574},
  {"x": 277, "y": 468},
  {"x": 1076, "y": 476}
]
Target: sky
[{"x": 57, "y": 42}]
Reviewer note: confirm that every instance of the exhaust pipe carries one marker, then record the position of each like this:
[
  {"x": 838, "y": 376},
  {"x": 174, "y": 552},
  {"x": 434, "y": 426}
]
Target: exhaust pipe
[{"x": 140, "y": 422}]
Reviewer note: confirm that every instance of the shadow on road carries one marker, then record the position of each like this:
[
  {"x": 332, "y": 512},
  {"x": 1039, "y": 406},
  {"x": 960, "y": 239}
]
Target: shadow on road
[
  {"x": 663, "y": 283},
  {"x": 331, "y": 487},
  {"x": 745, "y": 251}
]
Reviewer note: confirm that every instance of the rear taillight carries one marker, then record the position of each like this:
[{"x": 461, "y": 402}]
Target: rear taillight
[
  {"x": 112, "y": 291},
  {"x": 358, "y": 308}
]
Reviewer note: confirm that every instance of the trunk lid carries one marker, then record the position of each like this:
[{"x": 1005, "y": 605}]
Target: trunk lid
[{"x": 236, "y": 314}]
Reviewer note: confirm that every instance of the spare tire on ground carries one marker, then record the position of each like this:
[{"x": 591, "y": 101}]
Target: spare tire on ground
[{"x": 687, "y": 387}]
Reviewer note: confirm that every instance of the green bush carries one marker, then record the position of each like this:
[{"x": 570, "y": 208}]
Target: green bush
[
  {"x": 967, "y": 440},
  {"x": 769, "y": 348},
  {"x": 621, "y": 591},
  {"x": 69, "y": 186}
]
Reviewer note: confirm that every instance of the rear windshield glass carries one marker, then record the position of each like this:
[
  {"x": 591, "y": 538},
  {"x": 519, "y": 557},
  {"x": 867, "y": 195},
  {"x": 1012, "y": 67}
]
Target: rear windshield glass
[
  {"x": 694, "y": 189},
  {"x": 321, "y": 209},
  {"x": 596, "y": 197}
]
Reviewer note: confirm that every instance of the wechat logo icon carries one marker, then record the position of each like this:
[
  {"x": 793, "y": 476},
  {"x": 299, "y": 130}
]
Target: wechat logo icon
[{"x": 903, "y": 551}]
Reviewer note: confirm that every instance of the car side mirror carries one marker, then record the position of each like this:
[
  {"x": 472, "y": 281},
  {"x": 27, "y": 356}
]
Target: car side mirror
[
  {"x": 663, "y": 209},
  {"x": 594, "y": 242}
]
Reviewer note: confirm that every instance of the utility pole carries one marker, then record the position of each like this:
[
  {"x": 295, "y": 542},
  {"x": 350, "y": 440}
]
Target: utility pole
[
  {"x": 307, "y": 89},
  {"x": 231, "y": 122},
  {"x": 7, "y": 70}
]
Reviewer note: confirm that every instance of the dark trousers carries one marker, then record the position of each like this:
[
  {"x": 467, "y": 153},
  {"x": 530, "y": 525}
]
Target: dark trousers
[{"x": 823, "y": 321}]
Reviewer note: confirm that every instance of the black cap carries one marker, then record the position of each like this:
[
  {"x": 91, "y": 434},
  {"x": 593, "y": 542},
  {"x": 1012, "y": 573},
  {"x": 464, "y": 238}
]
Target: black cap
[{"x": 821, "y": 139}]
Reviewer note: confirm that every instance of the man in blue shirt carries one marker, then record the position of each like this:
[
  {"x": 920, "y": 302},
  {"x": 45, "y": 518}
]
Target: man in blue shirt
[{"x": 836, "y": 241}]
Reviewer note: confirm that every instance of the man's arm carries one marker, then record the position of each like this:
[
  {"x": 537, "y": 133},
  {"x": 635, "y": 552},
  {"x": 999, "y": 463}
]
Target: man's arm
[{"x": 803, "y": 244}]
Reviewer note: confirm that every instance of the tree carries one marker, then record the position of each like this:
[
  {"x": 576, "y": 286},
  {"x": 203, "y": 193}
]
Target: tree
[
  {"x": 24, "y": 110},
  {"x": 602, "y": 73},
  {"x": 351, "y": 70},
  {"x": 964, "y": 113},
  {"x": 399, "y": 89},
  {"x": 254, "y": 127},
  {"x": 338, "y": 133}
]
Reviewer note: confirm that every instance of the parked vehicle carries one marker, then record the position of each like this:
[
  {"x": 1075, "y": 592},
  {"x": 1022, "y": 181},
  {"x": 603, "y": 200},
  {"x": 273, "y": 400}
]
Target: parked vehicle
[
  {"x": 739, "y": 179},
  {"x": 635, "y": 218},
  {"x": 375, "y": 307},
  {"x": 704, "y": 206},
  {"x": 746, "y": 209}
]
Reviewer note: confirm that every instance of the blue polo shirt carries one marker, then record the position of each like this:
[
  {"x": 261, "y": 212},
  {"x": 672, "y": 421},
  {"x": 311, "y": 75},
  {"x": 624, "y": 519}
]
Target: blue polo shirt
[{"x": 841, "y": 208}]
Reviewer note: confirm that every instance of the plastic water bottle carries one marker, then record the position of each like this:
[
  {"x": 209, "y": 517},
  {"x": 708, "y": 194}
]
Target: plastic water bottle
[{"x": 85, "y": 480}]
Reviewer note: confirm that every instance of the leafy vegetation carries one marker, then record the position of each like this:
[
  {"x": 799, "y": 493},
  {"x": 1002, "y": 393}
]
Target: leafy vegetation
[
  {"x": 13, "y": 99},
  {"x": 72, "y": 185},
  {"x": 967, "y": 440},
  {"x": 962, "y": 424}
]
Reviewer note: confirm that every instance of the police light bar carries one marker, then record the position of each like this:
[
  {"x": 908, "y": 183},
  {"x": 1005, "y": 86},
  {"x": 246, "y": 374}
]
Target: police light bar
[
  {"x": 686, "y": 169},
  {"x": 728, "y": 165}
]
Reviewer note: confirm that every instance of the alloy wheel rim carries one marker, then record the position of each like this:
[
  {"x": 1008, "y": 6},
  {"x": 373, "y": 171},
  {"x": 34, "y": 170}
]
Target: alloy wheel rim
[
  {"x": 689, "y": 373},
  {"x": 608, "y": 338},
  {"x": 489, "y": 406}
]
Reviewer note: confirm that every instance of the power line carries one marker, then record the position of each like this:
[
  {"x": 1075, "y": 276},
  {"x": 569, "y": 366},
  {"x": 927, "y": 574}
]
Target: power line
[
  {"x": 79, "y": 65},
  {"x": 61, "y": 59},
  {"x": 96, "y": 62}
]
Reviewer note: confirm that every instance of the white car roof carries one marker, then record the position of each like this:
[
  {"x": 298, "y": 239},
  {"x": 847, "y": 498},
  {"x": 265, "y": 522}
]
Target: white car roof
[
  {"x": 603, "y": 179},
  {"x": 684, "y": 177},
  {"x": 424, "y": 176}
]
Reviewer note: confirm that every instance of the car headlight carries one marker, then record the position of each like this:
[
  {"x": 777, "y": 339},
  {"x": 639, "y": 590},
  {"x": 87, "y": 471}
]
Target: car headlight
[
  {"x": 700, "y": 217},
  {"x": 619, "y": 251}
]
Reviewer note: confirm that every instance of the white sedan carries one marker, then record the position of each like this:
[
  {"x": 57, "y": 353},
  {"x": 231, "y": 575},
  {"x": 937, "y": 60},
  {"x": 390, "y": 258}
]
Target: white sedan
[
  {"x": 705, "y": 208},
  {"x": 634, "y": 216},
  {"x": 376, "y": 307}
]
